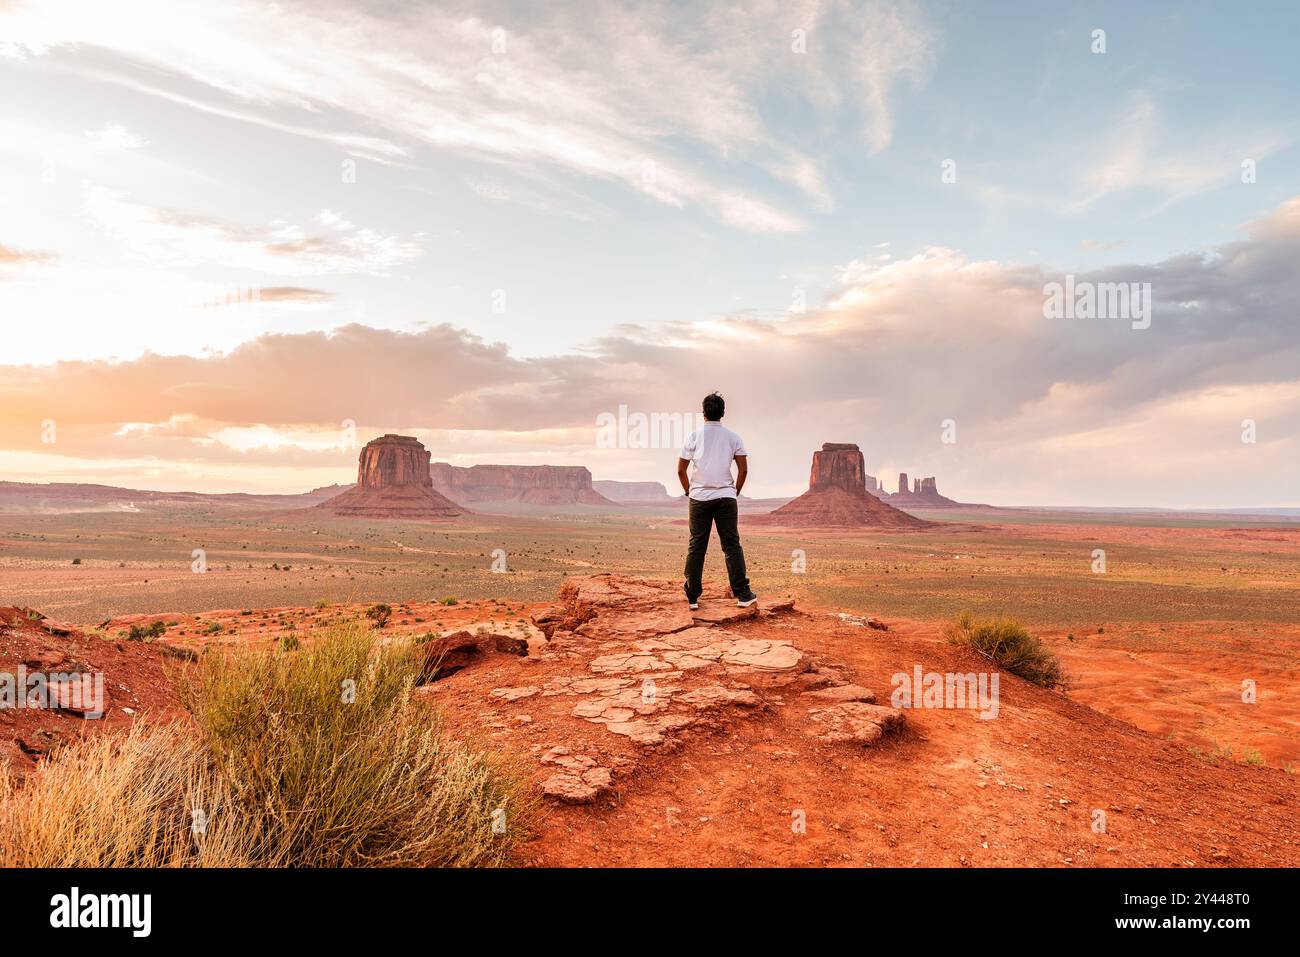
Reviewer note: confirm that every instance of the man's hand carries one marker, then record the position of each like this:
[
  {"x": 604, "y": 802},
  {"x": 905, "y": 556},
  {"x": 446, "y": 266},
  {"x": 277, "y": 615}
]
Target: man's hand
[
  {"x": 742, "y": 470},
  {"x": 682, "y": 465}
]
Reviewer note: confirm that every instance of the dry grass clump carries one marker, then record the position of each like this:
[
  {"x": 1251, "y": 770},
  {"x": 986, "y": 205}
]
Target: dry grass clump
[
  {"x": 312, "y": 757},
  {"x": 1009, "y": 644}
]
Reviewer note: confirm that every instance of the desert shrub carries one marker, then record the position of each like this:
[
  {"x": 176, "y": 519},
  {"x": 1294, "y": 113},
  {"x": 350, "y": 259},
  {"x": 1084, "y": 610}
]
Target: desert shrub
[
  {"x": 449, "y": 600},
  {"x": 289, "y": 643},
  {"x": 155, "y": 629},
  {"x": 127, "y": 801},
  {"x": 379, "y": 614},
  {"x": 1007, "y": 642},
  {"x": 322, "y": 604},
  {"x": 76, "y": 561},
  {"x": 289, "y": 767},
  {"x": 212, "y": 628}
]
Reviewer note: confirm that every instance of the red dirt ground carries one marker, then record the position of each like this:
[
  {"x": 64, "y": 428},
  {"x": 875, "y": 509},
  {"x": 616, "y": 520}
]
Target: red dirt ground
[
  {"x": 136, "y": 677},
  {"x": 730, "y": 787}
]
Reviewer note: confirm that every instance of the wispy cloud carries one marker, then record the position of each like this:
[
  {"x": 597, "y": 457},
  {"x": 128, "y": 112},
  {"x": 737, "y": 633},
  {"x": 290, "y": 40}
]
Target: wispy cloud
[
  {"x": 605, "y": 92},
  {"x": 23, "y": 257},
  {"x": 1140, "y": 152},
  {"x": 330, "y": 245},
  {"x": 115, "y": 136}
]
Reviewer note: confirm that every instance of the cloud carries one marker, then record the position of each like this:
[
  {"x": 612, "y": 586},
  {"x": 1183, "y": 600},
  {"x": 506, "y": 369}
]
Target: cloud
[
  {"x": 166, "y": 237},
  {"x": 598, "y": 92},
  {"x": 1140, "y": 152},
  {"x": 1047, "y": 411},
  {"x": 23, "y": 257},
  {"x": 291, "y": 294},
  {"x": 115, "y": 137},
  {"x": 896, "y": 46}
]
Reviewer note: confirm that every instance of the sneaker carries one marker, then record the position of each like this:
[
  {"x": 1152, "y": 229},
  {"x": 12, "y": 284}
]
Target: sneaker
[
  {"x": 693, "y": 602},
  {"x": 746, "y": 602}
]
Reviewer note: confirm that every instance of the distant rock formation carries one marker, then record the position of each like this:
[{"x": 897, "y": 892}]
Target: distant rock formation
[
  {"x": 924, "y": 493},
  {"x": 533, "y": 484},
  {"x": 635, "y": 493},
  {"x": 393, "y": 482},
  {"x": 837, "y": 496}
]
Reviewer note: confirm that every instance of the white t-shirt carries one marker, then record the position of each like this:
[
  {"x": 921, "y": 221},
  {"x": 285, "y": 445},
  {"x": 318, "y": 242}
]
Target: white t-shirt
[{"x": 711, "y": 451}]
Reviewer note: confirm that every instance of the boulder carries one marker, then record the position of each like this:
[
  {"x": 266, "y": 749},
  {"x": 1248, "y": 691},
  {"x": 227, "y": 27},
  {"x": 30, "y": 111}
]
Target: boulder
[
  {"x": 854, "y": 722},
  {"x": 460, "y": 649}
]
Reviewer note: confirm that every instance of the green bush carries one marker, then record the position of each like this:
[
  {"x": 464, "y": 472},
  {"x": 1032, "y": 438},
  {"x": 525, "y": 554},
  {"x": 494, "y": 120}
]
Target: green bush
[
  {"x": 1007, "y": 642},
  {"x": 155, "y": 629}
]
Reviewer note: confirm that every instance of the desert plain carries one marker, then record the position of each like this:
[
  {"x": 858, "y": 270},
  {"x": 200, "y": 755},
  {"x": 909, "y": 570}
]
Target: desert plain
[{"x": 1154, "y": 730}]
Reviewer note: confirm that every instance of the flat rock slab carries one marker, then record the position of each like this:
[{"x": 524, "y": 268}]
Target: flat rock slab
[
  {"x": 628, "y": 662},
  {"x": 634, "y": 622},
  {"x": 648, "y": 732},
  {"x": 842, "y": 693},
  {"x": 765, "y": 655},
  {"x": 716, "y": 696},
  {"x": 578, "y": 779},
  {"x": 722, "y": 612},
  {"x": 514, "y": 694},
  {"x": 854, "y": 722}
]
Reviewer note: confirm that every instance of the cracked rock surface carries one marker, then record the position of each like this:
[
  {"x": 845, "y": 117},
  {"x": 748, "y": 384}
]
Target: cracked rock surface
[{"x": 629, "y": 669}]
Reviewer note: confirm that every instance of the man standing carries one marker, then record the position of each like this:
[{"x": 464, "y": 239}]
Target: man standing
[{"x": 712, "y": 493}]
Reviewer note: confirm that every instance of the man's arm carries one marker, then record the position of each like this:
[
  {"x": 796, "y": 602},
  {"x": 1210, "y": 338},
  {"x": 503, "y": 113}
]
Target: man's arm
[
  {"x": 742, "y": 470},
  {"x": 682, "y": 477}
]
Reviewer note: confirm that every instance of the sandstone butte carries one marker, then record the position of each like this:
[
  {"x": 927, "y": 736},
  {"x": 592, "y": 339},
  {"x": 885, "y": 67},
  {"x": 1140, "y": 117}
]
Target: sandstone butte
[
  {"x": 922, "y": 492},
  {"x": 393, "y": 482},
  {"x": 837, "y": 496},
  {"x": 533, "y": 484}
]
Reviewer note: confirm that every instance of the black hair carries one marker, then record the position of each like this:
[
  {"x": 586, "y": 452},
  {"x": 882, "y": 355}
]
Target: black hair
[{"x": 714, "y": 407}]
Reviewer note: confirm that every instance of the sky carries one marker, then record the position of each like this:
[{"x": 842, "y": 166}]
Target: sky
[{"x": 237, "y": 240}]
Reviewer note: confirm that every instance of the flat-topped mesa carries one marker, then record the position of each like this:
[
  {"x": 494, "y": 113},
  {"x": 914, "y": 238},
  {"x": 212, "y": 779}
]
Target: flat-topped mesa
[
  {"x": 533, "y": 484},
  {"x": 393, "y": 482},
  {"x": 837, "y": 496},
  {"x": 634, "y": 493}
]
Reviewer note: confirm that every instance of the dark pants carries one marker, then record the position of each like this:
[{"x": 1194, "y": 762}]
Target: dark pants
[{"x": 722, "y": 512}]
